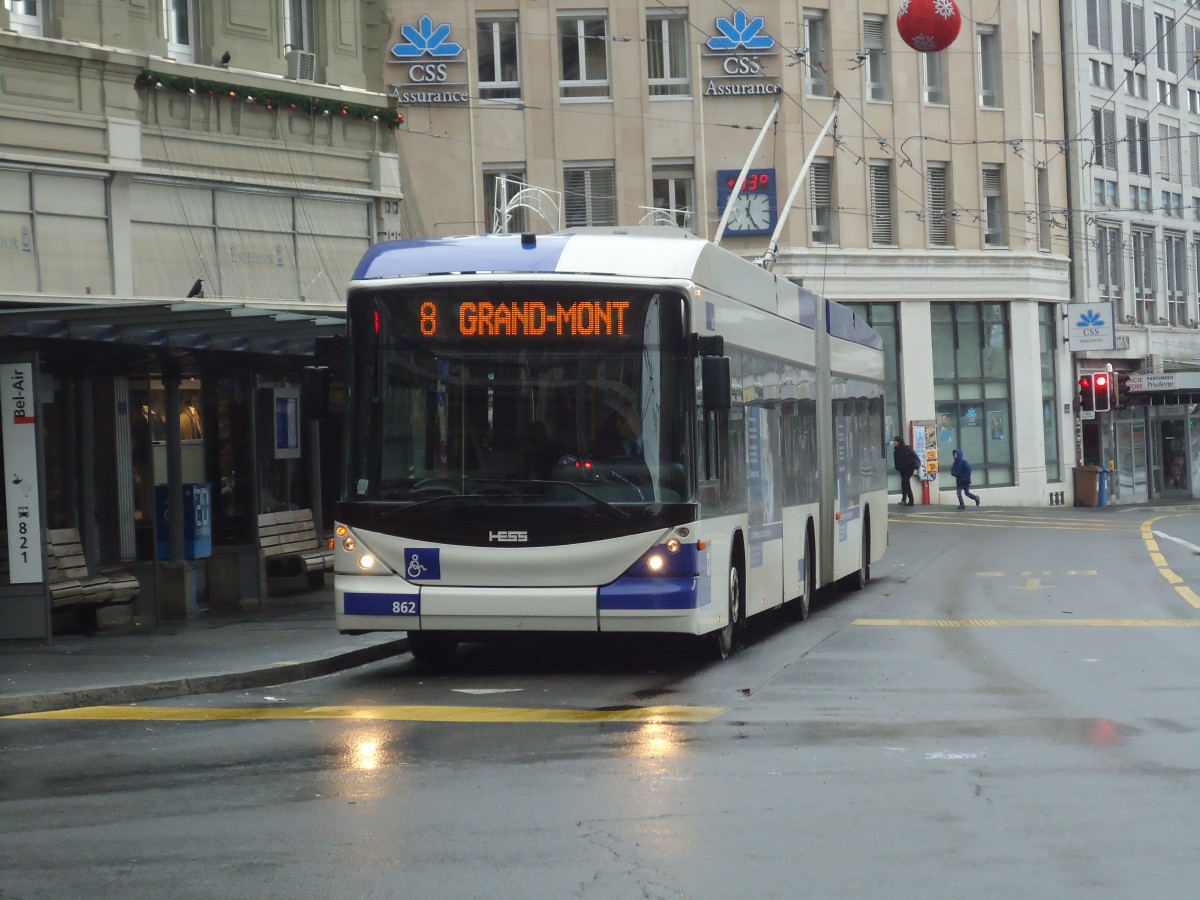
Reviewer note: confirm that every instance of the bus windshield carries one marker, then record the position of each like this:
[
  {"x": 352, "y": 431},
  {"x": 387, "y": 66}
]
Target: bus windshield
[{"x": 526, "y": 393}]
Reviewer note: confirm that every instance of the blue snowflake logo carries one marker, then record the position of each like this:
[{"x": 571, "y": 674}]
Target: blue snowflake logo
[
  {"x": 741, "y": 31},
  {"x": 1090, "y": 319},
  {"x": 425, "y": 39}
]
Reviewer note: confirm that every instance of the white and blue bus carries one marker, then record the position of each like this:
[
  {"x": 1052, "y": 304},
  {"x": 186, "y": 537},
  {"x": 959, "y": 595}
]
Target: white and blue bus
[{"x": 603, "y": 430}]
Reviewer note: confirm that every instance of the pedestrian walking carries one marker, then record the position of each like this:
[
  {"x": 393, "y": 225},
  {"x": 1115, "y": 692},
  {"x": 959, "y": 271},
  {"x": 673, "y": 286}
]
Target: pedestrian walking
[
  {"x": 906, "y": 461},
  {"x": 961, "y": 471}
]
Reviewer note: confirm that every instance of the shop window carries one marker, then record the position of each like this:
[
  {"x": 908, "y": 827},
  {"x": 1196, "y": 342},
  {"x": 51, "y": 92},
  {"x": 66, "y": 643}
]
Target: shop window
[{"x": 972, "y": 389}]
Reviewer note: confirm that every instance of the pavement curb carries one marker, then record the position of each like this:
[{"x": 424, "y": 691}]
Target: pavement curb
[{"x": 201, "y": 684}]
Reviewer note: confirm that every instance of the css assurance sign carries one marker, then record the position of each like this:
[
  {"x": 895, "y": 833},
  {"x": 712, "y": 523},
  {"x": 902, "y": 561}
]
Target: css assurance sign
[{"x": 1090, "y": 326}]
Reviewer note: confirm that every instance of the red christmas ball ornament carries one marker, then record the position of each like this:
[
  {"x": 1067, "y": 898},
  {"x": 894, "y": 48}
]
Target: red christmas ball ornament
[{"x": 929, "y": 26}]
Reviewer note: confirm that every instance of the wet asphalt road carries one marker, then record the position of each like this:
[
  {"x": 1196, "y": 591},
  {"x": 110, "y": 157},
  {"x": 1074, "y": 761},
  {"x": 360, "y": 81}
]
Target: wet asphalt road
[{"x": 1009, "y": 710}]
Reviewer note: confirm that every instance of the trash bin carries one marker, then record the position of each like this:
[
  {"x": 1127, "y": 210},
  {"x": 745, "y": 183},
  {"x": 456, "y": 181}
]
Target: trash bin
[{"x": 1087, "y": 485}]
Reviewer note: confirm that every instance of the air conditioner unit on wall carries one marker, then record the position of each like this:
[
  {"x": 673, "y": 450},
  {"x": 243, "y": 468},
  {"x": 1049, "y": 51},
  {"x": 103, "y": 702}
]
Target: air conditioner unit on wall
[{"x": 302, "y": 65}]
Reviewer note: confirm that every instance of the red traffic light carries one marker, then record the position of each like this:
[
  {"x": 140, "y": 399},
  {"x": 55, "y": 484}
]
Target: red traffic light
[
  {"x": 1100, "y": 392},
  {"x": 1087, "y": 397}
]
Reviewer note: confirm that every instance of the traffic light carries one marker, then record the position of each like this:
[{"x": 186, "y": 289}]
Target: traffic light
[
  {"x": 1087, "y": 397},
  {"x": 1121, "y": 389},
  {"x": 1101, "y": 399}
]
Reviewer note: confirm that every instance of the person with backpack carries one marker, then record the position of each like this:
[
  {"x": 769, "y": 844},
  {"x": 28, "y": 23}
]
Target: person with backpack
[
  {"x": 906, "y": 461},
  {"x": 961, "y": 471}
]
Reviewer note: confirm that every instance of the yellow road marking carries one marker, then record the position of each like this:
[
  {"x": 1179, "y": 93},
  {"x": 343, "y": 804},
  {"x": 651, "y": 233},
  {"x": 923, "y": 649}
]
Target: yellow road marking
[
  {"x": 1032, "y": 584},
  {"x": 1037, "y": 623},
  {"x": 1189, "y": 595},
  {"x": 661, "y": 714}
]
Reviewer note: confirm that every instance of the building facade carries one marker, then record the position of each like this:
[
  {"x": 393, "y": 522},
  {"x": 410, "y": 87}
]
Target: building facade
[
  {"x": 936, "y": 204},
  {"x": 1134, "y": 121},
  {"x": 185, "y": 189}
]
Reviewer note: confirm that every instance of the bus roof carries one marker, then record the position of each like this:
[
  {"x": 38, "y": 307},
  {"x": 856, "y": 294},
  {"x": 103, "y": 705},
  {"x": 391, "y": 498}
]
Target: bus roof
[{"x": 660, "y": 252}]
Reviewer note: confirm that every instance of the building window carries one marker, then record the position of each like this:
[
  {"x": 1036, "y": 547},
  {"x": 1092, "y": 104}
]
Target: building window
[
  {"x": 25, "y": 16},
  {"x": 1168, "y": 93},
  {"x": 1169, "y": 153},
  {"x": 1164, "y": 43},
  {"x": 885, "y": 319},
  {"x": 1043, "y": 209},
  {"x": 1048, "y": 343},
  {"x": 583, "y": 53},
  {"x": 1104, "y": 138},
  {"x": 1133, "y": 30},
  {"x": 590, "y": 195},
  {"x": 674, "y": 187},
  {"x": 667, "y": 54},
  {"x": 882, "y": 205},
  {"x": 971, "y": 388},
  {"x": 1137, "y": 137},
  {"x": 1135, "y": 84},
  {"x": 816, "y": 42},
  {"x": 298, "y": 25},
  {"x": 1105, "y": 192},
  {"x": 1099, "y": 24},
  {"x": 503, "y": 212},
  {"x": 934, "y": 78},
  {"x": 937, "y": 204},
  {"x": 994, "y": 232},
  {"x": 989, "y": 66},
  {"x": 1194, "y": 158},
  {"x": 1039, "y": 74},
  {"x": 1109, "y": 264},
  {"x": 1191, "y": 37},
  {"x": 1102, "y": 74},
  {"x": 1175, "y": 263},
  {"x": 498, "y": 51},
  {"x": 180, "y": 28},
  {"x": 875, "y": 65},
  {"x": 1145, "y": 305},
  {"x": 820, "y": 201}
]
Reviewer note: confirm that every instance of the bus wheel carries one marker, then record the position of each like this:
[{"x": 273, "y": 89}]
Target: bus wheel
[
  {"x": 722, "y": 638},
  {"x": 802, "y": 606},
  {"x": 435, "y": 649},
  {"x": 856, "y": 581}
]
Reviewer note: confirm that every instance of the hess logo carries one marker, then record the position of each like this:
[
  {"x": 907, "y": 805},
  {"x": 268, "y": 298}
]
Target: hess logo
[{"x": 508, "y": 537}]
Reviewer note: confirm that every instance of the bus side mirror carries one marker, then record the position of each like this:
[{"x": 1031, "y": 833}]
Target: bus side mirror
[
  {"x": 314, "y": 391},
  {"x": 715, "y": 382}
]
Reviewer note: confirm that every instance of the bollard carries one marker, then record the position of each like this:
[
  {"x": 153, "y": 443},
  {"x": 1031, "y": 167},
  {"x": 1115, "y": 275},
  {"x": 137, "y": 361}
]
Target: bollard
[{"x": 1103, "y": 501}]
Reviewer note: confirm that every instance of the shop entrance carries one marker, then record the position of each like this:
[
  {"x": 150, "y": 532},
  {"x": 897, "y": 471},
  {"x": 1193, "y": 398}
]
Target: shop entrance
[{"x": 1172, "y": 430}]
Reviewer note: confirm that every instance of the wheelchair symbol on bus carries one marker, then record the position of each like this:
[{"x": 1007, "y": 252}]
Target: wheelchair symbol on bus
[{"x": 422, "y": 564}]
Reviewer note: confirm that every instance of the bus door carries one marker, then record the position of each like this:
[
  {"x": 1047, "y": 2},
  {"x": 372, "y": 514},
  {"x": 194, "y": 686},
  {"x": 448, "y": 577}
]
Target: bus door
[{"x": 764, "y": 506}]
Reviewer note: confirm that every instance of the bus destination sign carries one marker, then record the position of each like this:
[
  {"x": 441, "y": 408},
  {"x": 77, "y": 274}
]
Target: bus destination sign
[{"x": 527, "y": 318}]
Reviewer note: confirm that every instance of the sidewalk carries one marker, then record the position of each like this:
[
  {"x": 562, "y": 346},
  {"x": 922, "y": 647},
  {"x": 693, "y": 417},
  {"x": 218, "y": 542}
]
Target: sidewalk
[{"x": 289, "y": 638}]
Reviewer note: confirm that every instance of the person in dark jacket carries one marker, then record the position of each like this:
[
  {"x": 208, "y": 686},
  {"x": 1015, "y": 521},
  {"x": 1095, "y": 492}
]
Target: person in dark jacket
[
  {"x": 961, "y": 471},
  {"x": 906, "y": 461}
]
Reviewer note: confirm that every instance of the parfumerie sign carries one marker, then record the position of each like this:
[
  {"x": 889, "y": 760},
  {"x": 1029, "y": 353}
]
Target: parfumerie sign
[{"x": 18, "y": 406}]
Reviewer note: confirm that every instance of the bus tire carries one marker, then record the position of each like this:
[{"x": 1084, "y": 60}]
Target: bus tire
[
  {"x": 802, "y": 606},
  {"x": 723, "y": 639},
  {"x": 433, "y": 649},
  {"x": 856, "y": 581}
]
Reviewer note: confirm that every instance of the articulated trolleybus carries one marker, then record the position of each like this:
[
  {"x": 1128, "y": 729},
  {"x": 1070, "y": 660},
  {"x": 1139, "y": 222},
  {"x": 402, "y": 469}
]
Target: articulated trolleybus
[{"x": 602, "y": 430}]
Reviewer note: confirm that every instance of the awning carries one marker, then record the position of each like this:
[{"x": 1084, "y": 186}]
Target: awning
[{"x": 183, "y": 325}]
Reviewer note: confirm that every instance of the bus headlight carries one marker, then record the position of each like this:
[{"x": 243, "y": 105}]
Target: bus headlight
[
  {"x": 366, "y": 561},
  {"x": 348, "y": 543},
  {"x": 670, "y": 559}
]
